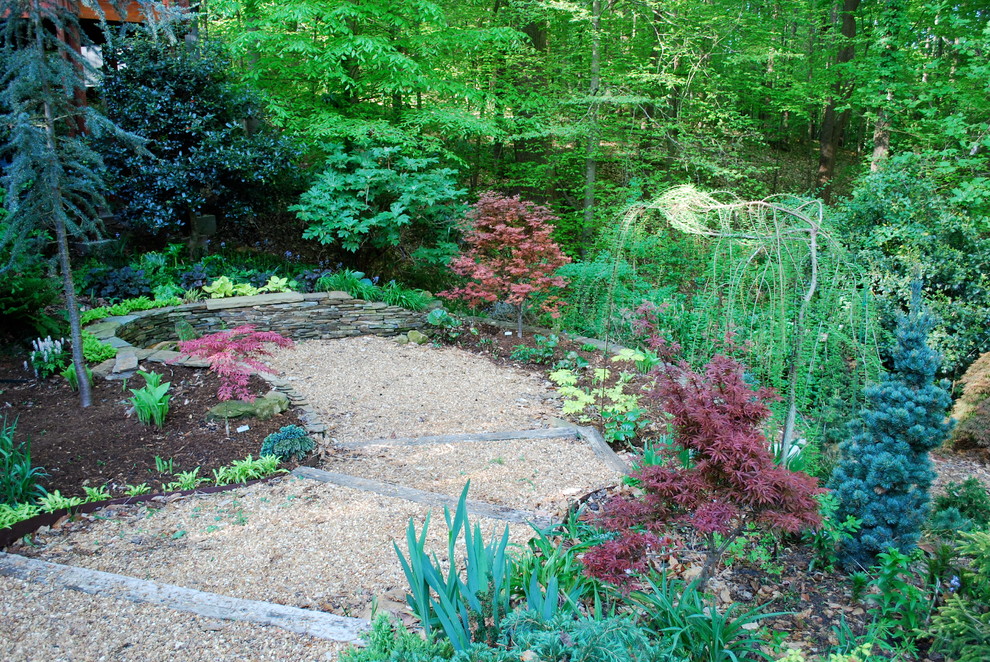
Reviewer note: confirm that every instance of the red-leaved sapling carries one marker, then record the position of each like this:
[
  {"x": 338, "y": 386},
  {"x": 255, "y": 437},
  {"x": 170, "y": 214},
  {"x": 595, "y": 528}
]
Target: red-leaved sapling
[
  {"x": 729, "y": 482},
  {"x": 510, "y": 256},
  {"x": 232, "y": 354}
]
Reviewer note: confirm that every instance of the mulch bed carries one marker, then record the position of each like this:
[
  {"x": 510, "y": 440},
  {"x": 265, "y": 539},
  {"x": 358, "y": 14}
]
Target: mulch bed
[{"x": 103, "y": 445}]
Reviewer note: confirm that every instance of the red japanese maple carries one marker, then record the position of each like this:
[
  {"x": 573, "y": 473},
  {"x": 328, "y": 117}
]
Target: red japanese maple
[
  {"x": 730, "y": 481},
  {"x": 511, "y": 255},
  {"x": 232, "y": 354}
]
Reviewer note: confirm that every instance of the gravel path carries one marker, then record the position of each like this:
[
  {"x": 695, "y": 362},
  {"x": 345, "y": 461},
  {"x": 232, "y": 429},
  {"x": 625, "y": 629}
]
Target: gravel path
[
  {"x": 529, "y": 474},
  {"x": 41, "y": 623},
  {"x": 374, "y": 388},
  {"x": 295, "y": 542},
  {"x": 300, "y": 542}
]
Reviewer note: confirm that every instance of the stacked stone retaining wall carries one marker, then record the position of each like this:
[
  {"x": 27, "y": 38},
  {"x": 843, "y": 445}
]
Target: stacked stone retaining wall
[{"x": 294, "y": 315}]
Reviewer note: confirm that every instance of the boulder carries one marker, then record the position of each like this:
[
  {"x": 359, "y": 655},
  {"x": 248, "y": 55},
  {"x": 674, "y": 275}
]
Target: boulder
[
  {"x": 263, "y": 408},
  {"x": 417, "y": 337}
]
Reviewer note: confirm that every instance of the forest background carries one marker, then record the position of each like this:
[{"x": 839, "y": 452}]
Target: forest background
[{"x": 355, "y": 134}]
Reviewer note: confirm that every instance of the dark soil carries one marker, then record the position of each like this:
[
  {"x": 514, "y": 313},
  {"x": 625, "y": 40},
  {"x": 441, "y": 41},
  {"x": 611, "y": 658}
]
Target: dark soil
[{"x": 103, "y": 445}]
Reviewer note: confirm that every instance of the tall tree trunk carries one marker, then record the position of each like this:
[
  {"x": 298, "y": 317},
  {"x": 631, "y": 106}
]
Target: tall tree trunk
[
  {"x": 881, "y": 137},
  {"x": 834, "y": 122},
  {"x": 890, "y": 28},
  {"x": 590, "y": 163},
  {"x": 68, "y": 287}
]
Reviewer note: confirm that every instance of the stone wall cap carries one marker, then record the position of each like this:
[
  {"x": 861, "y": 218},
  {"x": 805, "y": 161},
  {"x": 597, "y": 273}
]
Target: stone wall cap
[{"x": 256, "y": 300}]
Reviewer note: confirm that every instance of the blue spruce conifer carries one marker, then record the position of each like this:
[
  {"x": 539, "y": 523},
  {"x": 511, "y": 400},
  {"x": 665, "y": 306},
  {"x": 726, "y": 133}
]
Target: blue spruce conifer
[{"x": 884, "y": 473}]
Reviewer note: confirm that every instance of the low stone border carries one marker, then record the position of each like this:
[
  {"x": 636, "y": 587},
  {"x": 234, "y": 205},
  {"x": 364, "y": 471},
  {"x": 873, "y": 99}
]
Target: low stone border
[
  {"x": 318, "y": 315},
  {"x": 479, "y": 508},
  {"x": 588, "y": 434},
  {"x": 541, "y": 433},
  {"x": 212, "y": 605},
  {"x": 611, "y": 347}
]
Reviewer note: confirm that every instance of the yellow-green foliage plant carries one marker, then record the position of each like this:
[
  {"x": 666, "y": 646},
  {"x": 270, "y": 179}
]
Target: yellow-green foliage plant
[{"x": 577, "y": 399}]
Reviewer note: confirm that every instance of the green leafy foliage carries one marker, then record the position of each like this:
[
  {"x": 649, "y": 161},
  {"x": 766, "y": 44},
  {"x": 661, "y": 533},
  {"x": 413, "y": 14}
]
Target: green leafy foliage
[
  {"x": 242, "y": 471},
  {"x": 884, "y": 474},
  {"x": 828, "y": 539},
  {"x": 95, "y": 350},
  {"x": 199, "y": 155},
  {"x": 71, "y": 376},
  {"x": 902, "y": 227},
  {"x": 464, "y": 609},
  {"x": 377, "y": 197},
  {"x": 389, "y": 641},
  {"x": 48, "y": 357},
  {"x": 23, "y": 299},
  {"x": 126, "y": 307},
  {"x": 698, "y": 631},
  {"x": 961, "y": 626},
  {"x": 290, "y": 442},
  {"x": 19, "y": 481},
  {"x": 971, "y": 499},
  {"x": 622, "y": 427},
  {"x": 543, "y": 351},
  {"x": 151, "y": 401},
  {"x": 900, "y": 598},
  {"x": 448, "y": 327}
]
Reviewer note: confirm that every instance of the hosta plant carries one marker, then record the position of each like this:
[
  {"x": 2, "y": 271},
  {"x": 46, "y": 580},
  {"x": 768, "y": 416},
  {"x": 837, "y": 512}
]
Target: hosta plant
[
  {"x": 151, "y": 402},
  {"x": 290, "y": 442}
]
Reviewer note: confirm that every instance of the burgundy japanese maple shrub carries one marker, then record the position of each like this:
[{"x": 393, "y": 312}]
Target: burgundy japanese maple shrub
[
  {"x": 232, "y": 354},
  {"x": 730, "y": 481},
  {"x": 511, "y": 255}
]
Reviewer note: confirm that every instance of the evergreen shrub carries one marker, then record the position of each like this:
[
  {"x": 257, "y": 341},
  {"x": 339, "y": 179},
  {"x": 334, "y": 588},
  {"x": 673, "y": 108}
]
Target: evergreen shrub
[
  {"x": 290, "y": 442},
  {"x": 884, "y": 473}
]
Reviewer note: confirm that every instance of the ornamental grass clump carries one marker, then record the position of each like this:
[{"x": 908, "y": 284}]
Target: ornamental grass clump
[
  {"x": 232, "y": 354},
  {"x": 729, "y": 480},
  {"x": 884, "y": 473}
]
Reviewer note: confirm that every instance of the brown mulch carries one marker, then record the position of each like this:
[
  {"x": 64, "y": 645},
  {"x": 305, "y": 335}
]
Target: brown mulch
[{"x": 104, "y": 445}]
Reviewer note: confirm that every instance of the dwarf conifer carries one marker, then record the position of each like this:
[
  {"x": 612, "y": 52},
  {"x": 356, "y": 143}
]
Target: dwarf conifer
[{"x": 884, "y": 473}]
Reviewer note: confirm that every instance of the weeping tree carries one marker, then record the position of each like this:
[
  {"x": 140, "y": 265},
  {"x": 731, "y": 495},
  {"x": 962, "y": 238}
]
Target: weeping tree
[
  {"x": 53, "y": 179},
  {"x": 777, "y": 277}
]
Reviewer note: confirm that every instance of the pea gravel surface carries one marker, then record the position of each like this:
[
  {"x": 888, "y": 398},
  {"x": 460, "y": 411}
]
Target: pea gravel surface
[
  {"x": 38, "y": 622},
  {"x": 373, "y": 388},
  {"x": 295, "y": 541},
  {"x": 300, "y": 542},
  {"x": 529, "y": 474}
]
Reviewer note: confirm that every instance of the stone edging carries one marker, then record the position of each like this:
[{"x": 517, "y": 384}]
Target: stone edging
[
  {"x": 479, "y": 508},
  {"x": 300, "y": 316},
  {"x": 211, "y": 605}
]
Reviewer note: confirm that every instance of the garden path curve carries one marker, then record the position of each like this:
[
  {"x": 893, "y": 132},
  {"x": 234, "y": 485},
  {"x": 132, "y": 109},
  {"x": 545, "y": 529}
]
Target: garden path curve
[{"x": 310, "y": 553}]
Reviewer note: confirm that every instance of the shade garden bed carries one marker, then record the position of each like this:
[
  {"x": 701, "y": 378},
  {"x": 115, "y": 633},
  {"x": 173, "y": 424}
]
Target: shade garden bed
[{"x": 104, "y": 445}]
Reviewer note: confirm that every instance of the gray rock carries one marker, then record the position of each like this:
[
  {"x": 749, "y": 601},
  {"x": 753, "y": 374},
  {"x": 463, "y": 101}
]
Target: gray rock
[
  {"x": 126, "y": 361},
  {"x": 417, "y": 337}
]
